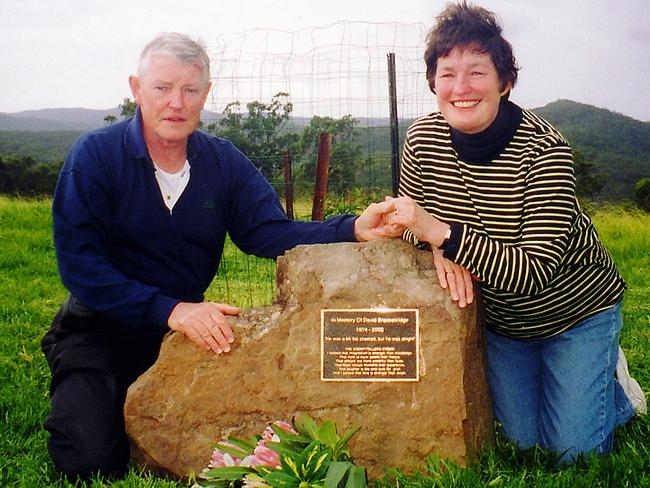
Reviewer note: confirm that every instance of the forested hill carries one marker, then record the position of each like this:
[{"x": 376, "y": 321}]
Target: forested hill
[{"x": 618, "y": 146}]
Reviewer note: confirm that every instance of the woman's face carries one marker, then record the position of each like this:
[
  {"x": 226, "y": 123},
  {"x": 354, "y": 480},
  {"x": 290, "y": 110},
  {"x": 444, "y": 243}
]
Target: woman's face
[{"x": 468, "y": 89}]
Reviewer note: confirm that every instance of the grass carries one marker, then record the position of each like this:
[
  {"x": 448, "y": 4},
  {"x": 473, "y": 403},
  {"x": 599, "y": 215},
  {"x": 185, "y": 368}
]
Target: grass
[{"x": 30, "y": 293}]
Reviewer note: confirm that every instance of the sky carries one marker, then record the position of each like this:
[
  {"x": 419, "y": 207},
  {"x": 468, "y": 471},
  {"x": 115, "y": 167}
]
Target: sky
[{"x": 79, "y": 53}]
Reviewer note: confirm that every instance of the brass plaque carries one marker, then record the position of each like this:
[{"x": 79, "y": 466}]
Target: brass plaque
[{"x": 369, "y": 344}]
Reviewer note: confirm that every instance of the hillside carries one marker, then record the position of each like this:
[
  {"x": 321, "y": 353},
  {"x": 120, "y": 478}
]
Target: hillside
[
  {"x": 618, "y": 146},
  {"x": 47, "y": 146},
  {"x": 75, "y": 119}
]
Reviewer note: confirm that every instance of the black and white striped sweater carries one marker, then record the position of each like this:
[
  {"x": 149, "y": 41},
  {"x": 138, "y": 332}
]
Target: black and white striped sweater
[{"x": 518, "y": 226}]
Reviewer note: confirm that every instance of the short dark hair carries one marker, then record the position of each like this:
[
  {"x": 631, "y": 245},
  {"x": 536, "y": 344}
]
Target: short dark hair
[{"x": 464, "y": 25}]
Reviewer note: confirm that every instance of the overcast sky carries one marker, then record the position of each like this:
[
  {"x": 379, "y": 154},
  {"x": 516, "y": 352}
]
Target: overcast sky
[{"x": 79, "y": 53}]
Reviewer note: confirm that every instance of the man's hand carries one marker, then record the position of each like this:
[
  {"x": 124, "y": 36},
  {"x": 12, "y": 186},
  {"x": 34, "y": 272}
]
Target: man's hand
[
  {"x": 205, "y": 324},
  {"x": 373, "y": 223},
  {"x": 455, "y": 278}
]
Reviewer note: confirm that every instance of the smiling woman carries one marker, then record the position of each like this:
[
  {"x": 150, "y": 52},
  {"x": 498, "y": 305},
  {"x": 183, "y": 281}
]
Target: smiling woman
[
  {"x": 468, "y": 89},
  {"x": 490, "y": 187}
]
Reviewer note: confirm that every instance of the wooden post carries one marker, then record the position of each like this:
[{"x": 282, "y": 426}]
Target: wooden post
[
  {"x": 322, "y": 171},
  {"x": 288, "y": 184}
]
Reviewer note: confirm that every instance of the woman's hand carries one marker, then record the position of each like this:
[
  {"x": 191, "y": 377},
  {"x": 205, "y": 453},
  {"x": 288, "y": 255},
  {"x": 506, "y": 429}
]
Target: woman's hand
[
  {"x": 455, "y": 278},
  {"x": 421, "y": 223}
]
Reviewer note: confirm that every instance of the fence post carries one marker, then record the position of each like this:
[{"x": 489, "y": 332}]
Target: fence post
[
  {"x": 288, "y": 184},
  {"x": 322, "y": 171},
  {"x": 394, "y": 127}
]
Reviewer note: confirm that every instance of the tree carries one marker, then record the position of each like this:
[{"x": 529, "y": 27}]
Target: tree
[
  {"x": 260, "y": 134},
  {"x": 588, "y": 182},
  {"x": 128, "y": 107},
  {"x": 346, "y": 153},
  {"x": 25, "y": 176},
  {"x": 642, "y": 193}
]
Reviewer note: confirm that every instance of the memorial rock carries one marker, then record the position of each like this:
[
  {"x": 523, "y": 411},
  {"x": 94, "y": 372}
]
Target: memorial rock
[{"x": 191, "y": 398}]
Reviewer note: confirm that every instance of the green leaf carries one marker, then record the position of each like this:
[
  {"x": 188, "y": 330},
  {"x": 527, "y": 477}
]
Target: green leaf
[
  {"x": 356, "y": 478},
  {"x": 227, "y": 473},
  {"x": 245, "y": 445},
  {"x": 214, "y": 484},
  {"x": 313, "y": 461},
  {"x": 336, "y": 472},
  {"x": 280, "y": 479},
  {"x": 342, "y": 444},
  {"x": 307, "y": 426},
  {"x": 283, "y": 434},
  {"x": 291, "y": 451},
  {"x": 292, "y": 441},
  {"x": 327, "y": 433},
  {"x": 292, "y": 465},
  {"x": 322, "y": 462},
  {"x": 233, "y": 451}
]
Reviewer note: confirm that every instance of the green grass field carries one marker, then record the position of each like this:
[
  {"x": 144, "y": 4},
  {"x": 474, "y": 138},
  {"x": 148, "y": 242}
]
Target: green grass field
[{"x": 30, "y": 293}]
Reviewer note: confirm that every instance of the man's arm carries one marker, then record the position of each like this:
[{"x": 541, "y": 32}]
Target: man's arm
[{"x": 258, "y": 224}]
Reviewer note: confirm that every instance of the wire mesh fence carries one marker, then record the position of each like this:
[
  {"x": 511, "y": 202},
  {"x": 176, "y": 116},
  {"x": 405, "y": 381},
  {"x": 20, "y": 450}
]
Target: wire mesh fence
[{"x": 274, "y": 91}]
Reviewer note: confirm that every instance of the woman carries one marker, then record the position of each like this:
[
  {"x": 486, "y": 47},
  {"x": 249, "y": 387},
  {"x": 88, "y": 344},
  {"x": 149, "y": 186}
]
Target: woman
[{"x": 491, "y": 188}]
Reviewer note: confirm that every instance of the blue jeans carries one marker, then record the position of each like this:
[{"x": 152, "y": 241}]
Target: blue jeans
[{"x": 560, "y": 393}]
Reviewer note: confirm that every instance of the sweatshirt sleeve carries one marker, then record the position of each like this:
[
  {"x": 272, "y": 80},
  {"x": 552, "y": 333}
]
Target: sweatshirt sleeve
[
  {"x": 524, "y": 267},
  {"x": 259, "y": 225},
  {"x": 81, "y": 212}
]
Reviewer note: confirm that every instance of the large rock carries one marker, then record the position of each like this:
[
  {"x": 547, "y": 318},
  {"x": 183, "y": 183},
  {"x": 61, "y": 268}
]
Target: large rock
[{"x": 191, "y": 398}]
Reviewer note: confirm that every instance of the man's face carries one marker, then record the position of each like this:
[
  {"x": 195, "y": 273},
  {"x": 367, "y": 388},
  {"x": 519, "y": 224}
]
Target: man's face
[{"x": 171, "y": 95}]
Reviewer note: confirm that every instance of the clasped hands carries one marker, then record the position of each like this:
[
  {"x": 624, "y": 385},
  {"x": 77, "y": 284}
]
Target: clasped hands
[
  {"x": 206, "y": 323},
  {"x": 392, "y": 216}
]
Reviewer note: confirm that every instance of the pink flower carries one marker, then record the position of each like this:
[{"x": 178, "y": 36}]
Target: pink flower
[
  {"x": 220, "y": 458},
  {"x": 287, "y": 427},
  {"x": 270, "y": 436},
  {"x": 267, "y": 457}
]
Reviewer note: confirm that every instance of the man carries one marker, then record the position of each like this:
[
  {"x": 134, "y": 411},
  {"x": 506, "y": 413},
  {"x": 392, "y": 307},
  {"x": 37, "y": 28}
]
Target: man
[{"x": 140, "y": 214}]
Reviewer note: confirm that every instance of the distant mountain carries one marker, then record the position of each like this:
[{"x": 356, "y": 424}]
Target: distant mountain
[
  {"x": 617, "y": 145},
  {"x": 77, "y": 119}
]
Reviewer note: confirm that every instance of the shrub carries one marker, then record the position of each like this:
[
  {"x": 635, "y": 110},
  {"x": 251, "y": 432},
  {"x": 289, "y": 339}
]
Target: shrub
[{"x": 642, "y": 193}]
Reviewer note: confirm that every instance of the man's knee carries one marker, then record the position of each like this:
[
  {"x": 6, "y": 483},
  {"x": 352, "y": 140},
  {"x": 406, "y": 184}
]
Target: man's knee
[
  {"x": 84, "y": 462},
  {"x": 86, "y": 424}
]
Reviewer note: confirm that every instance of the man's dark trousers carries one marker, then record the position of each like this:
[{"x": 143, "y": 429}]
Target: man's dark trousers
[{"x": 93, "y": 362}]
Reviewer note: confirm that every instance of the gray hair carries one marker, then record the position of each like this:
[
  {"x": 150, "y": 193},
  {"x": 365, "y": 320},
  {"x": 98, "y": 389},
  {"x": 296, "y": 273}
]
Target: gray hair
[{"x": 179, "y": 47}]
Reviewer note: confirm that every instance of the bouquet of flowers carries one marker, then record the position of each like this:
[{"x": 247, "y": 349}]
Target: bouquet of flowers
[{"x": 298, "y": 455}]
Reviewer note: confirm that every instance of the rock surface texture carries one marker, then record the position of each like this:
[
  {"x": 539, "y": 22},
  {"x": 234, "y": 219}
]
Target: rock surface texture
[{"x": 191, "y": 398}]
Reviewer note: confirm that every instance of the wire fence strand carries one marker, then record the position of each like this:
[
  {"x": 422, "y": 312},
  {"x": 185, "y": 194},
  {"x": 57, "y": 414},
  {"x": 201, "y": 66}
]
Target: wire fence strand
[{"x": 335, "y": 77}]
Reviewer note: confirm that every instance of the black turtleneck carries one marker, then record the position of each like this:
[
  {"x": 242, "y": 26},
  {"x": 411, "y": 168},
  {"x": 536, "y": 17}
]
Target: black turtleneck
[{"x": 484, "y": 146}]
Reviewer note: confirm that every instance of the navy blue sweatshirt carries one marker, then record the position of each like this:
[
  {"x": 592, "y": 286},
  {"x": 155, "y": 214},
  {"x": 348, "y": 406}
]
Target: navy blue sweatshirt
[{"x": 123, "y": 254}]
